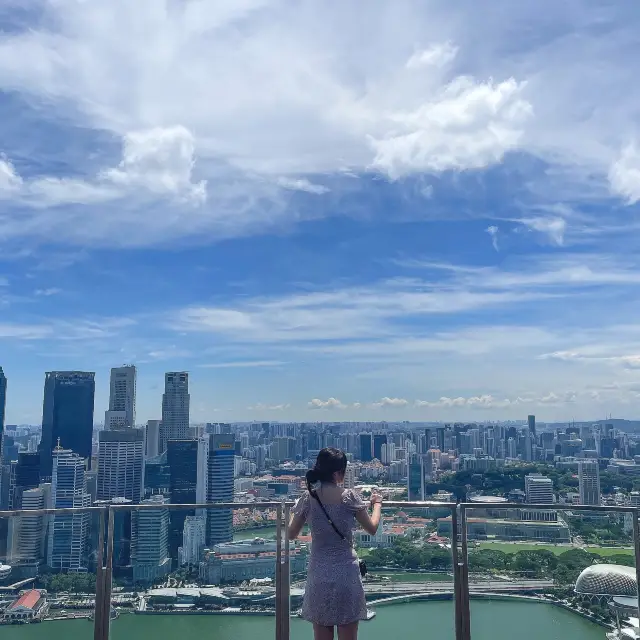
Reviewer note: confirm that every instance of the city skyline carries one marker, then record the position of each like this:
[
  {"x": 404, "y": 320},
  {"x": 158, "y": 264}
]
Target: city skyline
[{"x": 418, "y": 220}]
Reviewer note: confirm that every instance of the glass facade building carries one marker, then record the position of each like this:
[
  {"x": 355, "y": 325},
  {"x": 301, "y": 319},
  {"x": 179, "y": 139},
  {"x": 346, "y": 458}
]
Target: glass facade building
[{"x": 67, "y": 416}]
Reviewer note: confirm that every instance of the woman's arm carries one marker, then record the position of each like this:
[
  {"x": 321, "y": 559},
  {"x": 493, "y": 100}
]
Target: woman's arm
[
  {"x": 295, "y": 525},
  {"x": 370, "y": 523}
]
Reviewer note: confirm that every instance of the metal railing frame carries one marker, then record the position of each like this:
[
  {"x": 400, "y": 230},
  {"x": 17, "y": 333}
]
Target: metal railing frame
[{"x": 459, "y": 550}]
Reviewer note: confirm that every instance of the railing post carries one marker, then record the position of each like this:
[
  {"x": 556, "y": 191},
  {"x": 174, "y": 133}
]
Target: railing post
[
  {"x": 285, "y": 577},
  {"x": 636, "y": 549},
  {"x": 457, "y": 580},
  {"x": 108, "y": 573},
  {"x": 279, "y": 574},
  {"x": 97, "y": 614},
  {"x": 464, "y": 574}
]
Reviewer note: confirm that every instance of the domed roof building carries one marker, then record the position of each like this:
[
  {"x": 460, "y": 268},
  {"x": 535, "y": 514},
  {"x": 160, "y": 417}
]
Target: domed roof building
[{"x": 607, "y": 580}]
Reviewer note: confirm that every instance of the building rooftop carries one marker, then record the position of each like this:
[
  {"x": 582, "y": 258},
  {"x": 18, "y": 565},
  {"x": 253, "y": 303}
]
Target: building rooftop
[{"x": 27, "y": 600}]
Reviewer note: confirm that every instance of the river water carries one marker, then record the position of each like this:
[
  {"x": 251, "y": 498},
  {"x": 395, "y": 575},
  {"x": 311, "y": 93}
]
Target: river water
[{"x": 490, "y": 620}]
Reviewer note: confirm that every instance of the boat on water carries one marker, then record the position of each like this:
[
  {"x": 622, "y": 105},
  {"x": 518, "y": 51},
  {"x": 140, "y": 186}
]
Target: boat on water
[{"x": 628, "y": 630}]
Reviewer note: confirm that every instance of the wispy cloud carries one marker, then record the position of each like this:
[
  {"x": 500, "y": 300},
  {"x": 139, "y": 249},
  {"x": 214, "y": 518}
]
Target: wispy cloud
[
  {"x": 330, "y": 403},
  {"x": 51, "y": 291},
  {"x": 493, "y": 232},
  {"x": 242, "y": 364}
]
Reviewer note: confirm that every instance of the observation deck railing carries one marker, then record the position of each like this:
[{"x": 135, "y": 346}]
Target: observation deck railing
[{"x": 459, "y": 550}]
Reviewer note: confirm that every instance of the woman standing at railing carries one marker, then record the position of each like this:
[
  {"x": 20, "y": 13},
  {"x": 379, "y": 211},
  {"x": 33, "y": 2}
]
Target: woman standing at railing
[{"x": 334, "y": 596}]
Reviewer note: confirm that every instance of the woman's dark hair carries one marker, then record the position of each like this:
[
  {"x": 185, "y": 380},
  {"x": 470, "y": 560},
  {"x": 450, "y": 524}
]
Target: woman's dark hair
[{"x": 328, "y": 462}]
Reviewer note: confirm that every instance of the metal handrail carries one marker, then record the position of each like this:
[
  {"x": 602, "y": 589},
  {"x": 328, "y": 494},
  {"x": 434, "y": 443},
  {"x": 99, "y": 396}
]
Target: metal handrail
[{"x": 459, "y": 548}]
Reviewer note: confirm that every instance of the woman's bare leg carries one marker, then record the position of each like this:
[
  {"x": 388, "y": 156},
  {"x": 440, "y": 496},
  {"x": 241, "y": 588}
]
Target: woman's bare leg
[
  {"x": 322, "y": 633},
  {"x": 348, "y": 632}
]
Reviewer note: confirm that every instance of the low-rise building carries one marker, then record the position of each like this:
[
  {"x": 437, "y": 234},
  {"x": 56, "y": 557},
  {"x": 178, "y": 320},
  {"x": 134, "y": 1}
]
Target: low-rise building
[
  {"x": 31, "y": 605},
  {"x": 499, "y": 529}
]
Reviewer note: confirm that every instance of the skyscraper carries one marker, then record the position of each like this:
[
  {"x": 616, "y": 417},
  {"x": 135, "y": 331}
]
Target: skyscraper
[
  {"x": 378, "y": 440},
  {"x": 366, "y": 447},
  {"x": 175, "y": 408},
  {"x": 153, "y": 438},
  {"x": 221, "y": 467},
  {"x": 3, "y": 404},
  {"x": 150, "y": 542},
  {"x": 67, "y": 414},
  {"x": 538, "y": 489},
  {"x": 415, "y": 479},
  {"x": 122, "y": 398},
  {"x": 532, "y": 426},
  {"x": 121, "y": 464},
  {"x": 26, "y": 533},
  {"x": 68, "y": 532},
  {"x": 589, "y": 480}
]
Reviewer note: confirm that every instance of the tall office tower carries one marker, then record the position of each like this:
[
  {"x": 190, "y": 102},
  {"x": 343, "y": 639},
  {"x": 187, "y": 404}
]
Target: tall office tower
[
  {"x": 122, "y": 398},
  {"x": 388, "y": 453},
  {"x": 121, "y": 464},
  {"x": 67, "y": 415},
  {"x": 532, "y": 426},
  {"x": 182, "y": 458},
  {"x": 527, "y": 446},
  {"x": 283, "y": 448},
  {"x": 350, "y": 477},
  {"x": 68, "y": 533},
  {"x": 193, "y": 540},
  {"x": 415, "y": 479},
  {"x": 3, "y": 404},
  {"x": 27, "y": 475},
  {"x": 366, "y": 447},
  {"x": 202, "y": 481},
  {"x": 175, "y": 408},
  {"x": 25, "y": 546},
  {"x": 150, "y": 542},
  {"x": 152, "y": 439},
  {"x": 440, "y": 438},
  {"x": 261, "y": 456},
  {"x": 538, "y": 489},
  {"x": 378, "y": 440},
  {"x": 589, "y": 479},
  {"x": 221, "y": 467}
]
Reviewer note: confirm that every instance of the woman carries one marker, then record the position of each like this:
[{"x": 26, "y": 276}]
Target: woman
[{"x": 334, "y": 596}]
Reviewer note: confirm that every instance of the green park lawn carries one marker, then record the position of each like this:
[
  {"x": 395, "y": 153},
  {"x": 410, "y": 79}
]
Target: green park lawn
[{"x": 507, "y": 547}]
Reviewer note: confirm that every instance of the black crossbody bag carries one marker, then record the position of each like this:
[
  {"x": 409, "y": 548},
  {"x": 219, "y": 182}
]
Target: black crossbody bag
[{"x": 361, "y": 563}]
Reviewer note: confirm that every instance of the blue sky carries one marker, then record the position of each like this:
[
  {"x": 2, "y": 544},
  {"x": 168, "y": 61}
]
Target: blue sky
[{"x": 354, "y": 211}]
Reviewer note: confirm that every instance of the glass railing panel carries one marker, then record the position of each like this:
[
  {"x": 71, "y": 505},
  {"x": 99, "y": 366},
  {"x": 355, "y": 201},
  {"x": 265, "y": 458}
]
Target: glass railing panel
[
  {"x": 565, "y": 571},
  {"x": 48, "y": 572},
  {"x": 199, "y": 573},
  {"x": 409, "y": 577}
]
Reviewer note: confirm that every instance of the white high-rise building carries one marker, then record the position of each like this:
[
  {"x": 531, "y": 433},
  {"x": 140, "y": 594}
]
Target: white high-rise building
[
  {"x": 68, "y": 532},
  {"x": 589, "y": 480},
  {"x": 388, "y": 453},
  {"x": 350, "y": 476},
  {"x": 150, "y": 541},
  {"x": 511, "y": 448},
  {"x": 193, "y": 540},
  {"x": 122, "y": 398},
  {"x": 175, "y": 408},
  {"x": 152, "y": 439},
  {"x": 121, "y": 464},
  {"x": 26, "y": 533},
  {"x": 538, "y": 489}
]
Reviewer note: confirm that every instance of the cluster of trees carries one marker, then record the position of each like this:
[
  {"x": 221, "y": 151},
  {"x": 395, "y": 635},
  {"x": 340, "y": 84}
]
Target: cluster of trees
[
  {"x": 501, "y": 481},
  {"x": 70, "y": 582},
  {"x": 563, "y": 568}
]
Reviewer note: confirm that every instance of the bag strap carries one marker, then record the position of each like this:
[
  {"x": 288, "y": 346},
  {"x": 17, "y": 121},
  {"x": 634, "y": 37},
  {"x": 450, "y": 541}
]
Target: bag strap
[{"x": 315, "y": 495}]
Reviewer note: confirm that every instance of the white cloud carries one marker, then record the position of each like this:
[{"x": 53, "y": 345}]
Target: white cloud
[
  {"x": 390, "y": 402},
  {"x": 554, "y": 228},
  {"x": 469, "y": 125},
  {"x": 437, "y": 55},
  {"x": 624, "y": 175},
  {"x": 302, "y": 184},
  {"x": 242, "y": 364},
  {"x": 330, "y": 403},
  {"x": 51, "y": 291},
  {"x": 493, "y": 232},
  {"x": 10, "y": 181},
  {"x": 160, "y": 160},
  {"x": 268, "y": 407}
]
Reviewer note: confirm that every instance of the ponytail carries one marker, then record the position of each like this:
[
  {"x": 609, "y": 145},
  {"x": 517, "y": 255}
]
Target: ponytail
[{"x": 328, "y": 462}]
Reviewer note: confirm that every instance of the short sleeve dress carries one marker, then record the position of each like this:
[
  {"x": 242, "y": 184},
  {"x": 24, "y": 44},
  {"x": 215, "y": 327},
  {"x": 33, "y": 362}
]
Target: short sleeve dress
[{"x": 334, "y": 594}]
